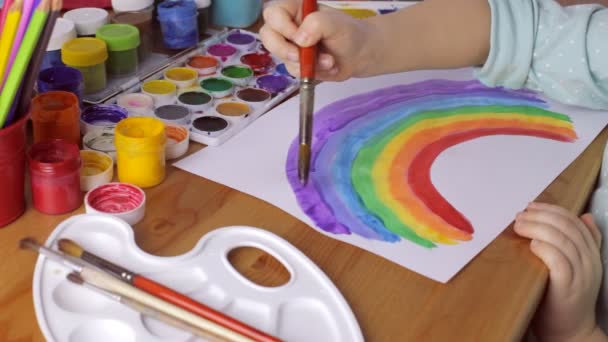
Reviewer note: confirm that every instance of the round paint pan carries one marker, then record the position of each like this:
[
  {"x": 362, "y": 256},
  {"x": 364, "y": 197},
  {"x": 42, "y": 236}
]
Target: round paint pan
[
  {"x": 163, "y": 92},
  {"x": 178, "y": 138},
  {"x": 223, "y": 52},
  {"x": 97, "y": 169},
  {"x": 100, "y": 117},
  {"x": 239, "y": 75},
  {"x": 204, "y": 65},
  {"x": 254, "y": 97},
  {"x": 181, "y": 77},
  {"x": 261, "y": 63},
  {"x": 217, "y": 87},
  {"x": 121, "y": 200},
  {"x": 241, "y": 41},
  {"x": 137, "y": 104},
  {"x": 197, "y": 101},
  {"x": 209, "y": 125},
  {"x": 173, "y": 114},
  {"x": 273, "y": 83},
  {"x": 102, "y": 141},
  {"x": 233, "y": 109}
]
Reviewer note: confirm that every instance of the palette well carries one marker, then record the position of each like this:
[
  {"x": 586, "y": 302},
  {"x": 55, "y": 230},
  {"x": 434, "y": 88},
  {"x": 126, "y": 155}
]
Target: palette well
[
  {"x": 237, "y": 81},
  {"x": 67, "y": 312}
]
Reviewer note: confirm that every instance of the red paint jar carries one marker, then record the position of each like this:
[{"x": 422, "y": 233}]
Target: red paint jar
[
  {"x": 55, "y": 176},
  {"x": 12, "y": 171}
]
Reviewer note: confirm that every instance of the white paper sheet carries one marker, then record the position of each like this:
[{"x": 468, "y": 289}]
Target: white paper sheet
[{"x": 488, "y": 179}]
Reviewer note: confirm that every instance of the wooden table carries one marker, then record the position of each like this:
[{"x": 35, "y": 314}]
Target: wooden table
[{"x": 492, "y": 299}]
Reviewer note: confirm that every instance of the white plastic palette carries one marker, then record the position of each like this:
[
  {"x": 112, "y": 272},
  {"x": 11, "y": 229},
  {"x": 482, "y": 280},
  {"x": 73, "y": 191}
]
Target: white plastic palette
[{"x": 307, "y": 308}]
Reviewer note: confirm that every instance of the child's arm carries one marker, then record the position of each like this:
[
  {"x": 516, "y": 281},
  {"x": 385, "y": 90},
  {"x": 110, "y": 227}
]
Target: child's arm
[{"x": 570, "y": 248}]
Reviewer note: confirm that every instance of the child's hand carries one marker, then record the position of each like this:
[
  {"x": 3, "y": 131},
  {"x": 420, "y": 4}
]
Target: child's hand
[
  {"x": 342, "y": 39},
  {"x": 570, "y": 247}
]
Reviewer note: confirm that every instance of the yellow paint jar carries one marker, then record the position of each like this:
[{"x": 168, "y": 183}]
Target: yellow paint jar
[{"x": 140, "y": 151}]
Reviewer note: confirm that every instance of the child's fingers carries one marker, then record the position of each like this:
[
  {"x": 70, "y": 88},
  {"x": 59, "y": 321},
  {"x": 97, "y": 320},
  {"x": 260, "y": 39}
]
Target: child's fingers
[
  {"x": 281, "y": 17},
  {"x": 593, "y": 229},
  {"x": 316, "y": 26},
  {"x": 576, "y": 222},
  {"x": 560, "y": 269},
  {"x": 540, "y": 231},
  {"x": 562, "y": 220},
  {"x": 276, "y": 44}
]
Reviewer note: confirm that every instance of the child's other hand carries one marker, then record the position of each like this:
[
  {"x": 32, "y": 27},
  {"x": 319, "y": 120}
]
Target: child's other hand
[
  {"x": 570, "y": 247},
  {"x": 341, "y": 37}
]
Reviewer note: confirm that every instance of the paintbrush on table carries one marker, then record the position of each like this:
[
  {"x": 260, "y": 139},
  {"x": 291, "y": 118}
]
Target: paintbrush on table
[
  {"x": 73, "y": 249},
  {"x": 144, "y": 310},
  {"x": 110, "y": 283},
  {"x": 308, "y": 59}
]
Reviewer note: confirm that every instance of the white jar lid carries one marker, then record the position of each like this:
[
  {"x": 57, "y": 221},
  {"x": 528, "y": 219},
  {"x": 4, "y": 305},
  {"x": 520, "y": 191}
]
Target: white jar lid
[
  {"x": 87, "y": 19},
  {"x": 202, "y": 3},
  {"x": 64, "y": 31},
  {"x": 131, "y": 5}
]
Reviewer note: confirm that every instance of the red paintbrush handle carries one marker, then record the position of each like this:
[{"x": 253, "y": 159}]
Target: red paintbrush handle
[
  {"x": 308, "y": 55},
  {"x": 197, "y": 308}
]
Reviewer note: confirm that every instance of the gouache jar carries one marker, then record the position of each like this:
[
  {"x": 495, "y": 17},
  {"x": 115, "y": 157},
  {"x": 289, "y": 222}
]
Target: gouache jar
[
  {"x": 235, "y": 13},
  {"x": 56, "y": 115},
  {"x": 12, "y": 169},
  {"x": 97, "y": 169},
  {"x": 101, "y": 117},
  {"x": 239, "y": 75},
  {"x": 205, "y": 65},
  {"x": 137, "y": 104},
  {"x": 242, "y": 41},
  {"x": 181, "y": 77},
  {"x": 87, "y": 19},
  {"x": 178, "y": 22},
  {"x": 61, "y": 78},
  {"x": 55, "y": 176},
  {"x": 122, "y": 41},
  {"x": 131, "y": 5},
  {"x": 89, "y": 56},
  {"x": 143, "y": 20},
  {"x": 63, "y": 31},
  {"x": 163, "y": 92},
  {"x": 203, "y": 7},
  {"x": 140, "y": 151}
]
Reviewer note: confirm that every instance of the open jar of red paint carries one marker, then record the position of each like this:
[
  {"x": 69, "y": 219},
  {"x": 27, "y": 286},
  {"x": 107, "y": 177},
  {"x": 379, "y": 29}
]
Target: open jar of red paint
[{"x": 55, "y": 176}]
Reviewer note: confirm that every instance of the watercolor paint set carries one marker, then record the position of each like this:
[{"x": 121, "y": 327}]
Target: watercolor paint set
[
  {"x": 67, "y": 311},
  {"x": 216, "y": 90}
]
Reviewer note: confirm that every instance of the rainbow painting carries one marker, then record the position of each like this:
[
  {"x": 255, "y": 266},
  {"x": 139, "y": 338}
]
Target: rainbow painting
[{"x": 373, "y": 153}]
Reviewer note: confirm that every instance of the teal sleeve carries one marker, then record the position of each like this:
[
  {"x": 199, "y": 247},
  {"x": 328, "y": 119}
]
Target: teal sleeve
[{"x": 560, "y": 51}]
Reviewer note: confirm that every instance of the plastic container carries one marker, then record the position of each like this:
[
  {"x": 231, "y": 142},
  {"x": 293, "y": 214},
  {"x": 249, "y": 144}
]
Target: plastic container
[
  {"x": 12, "y": 169},
  {"x": 56, "y": 115},
  {"x": 124, "y": 201},
  {"x": 61, "y": 78},
  {"x": 235, "y": 13},
  {"x": 63, "y": 31},
  {"x": 242, "y": 41},
  {"x": 88, "y": 55},
  {"x": 174, "y": 114},
  {"x": 217, "y": 87},
  {"x": 197, "y": 101},
  {"x": 239, "y": 75},
  {"x": 131, "y": 5},
  {"x": 140, "y": 151},
  {"x": 223, "y": 52},
  {"x": 122, "y": 41},
  {"x": 178, "y": 138},
  {"x": 261, "y": 63},
  {"x": 273, "y": 83},
  {"x": 181, "y": 77},
  {"x": 55, "y": 176},
  {"x": 205, "y": 65},
  {"x": 179, "y": 23},
  {"x": 163, "y": 92},
  {"x": 203, "y": 8},
  {"x": 254, "y": 97},
  {"x": 143, "y": 20},
  {"x": 137, "y": 104},
  {"x": 97, "y": 169},
  {"x": 101, "y": 117},
  {"x": 101, "y": 141},
  {"x": 87, "y": 19}
]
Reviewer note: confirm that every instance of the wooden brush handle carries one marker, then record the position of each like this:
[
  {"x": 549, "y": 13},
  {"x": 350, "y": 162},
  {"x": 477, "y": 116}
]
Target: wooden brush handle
[
  {"x": 308, "y": 55},
  {"x": 204, "y": 311},
  {"x": 109, "y": 283}
]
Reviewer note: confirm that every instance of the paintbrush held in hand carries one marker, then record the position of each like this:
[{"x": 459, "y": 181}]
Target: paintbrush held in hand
[
  {"x": 71, "y": 248},
  {"x": 109, "y": 283}
]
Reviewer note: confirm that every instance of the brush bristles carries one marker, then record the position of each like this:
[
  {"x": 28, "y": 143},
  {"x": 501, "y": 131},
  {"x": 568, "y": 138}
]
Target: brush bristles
[
  {"x": 29, "y": 243},
  {"x": 70, "y": 247}
]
